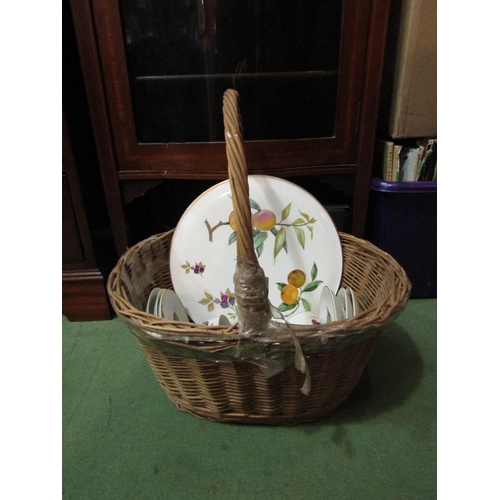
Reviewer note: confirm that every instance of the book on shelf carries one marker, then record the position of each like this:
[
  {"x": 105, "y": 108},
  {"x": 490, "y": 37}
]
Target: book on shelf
[
  {"x": 396, "y": 164},
  {"x": 387, "y": 160},
  {"x": 384, "y": 159},
  {"x": 428, "y": 164},
  {"x": 407, "y": 161}
]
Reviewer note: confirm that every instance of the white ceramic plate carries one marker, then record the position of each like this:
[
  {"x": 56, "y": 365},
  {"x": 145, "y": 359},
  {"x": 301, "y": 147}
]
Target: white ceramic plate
[
  {"x": 299, "y": 234},
  {"x": 354, "y": 301},
  {"x": 334, "y": 306},
  {"x": 342, "y": 302},
  {"x": 338, "y": 307},
  {"x": 151, "y": 305},
  {"x": 157, "y": 309},
  {"x": 346, "y": 299},
  {"x": 171, "y": 307},
  {"x": 326, "y": 311}
]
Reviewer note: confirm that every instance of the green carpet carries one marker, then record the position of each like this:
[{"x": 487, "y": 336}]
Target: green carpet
[{"x": 123, "y": 438}]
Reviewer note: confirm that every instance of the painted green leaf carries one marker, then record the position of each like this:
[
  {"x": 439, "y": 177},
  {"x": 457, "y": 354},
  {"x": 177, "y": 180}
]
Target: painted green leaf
[
  {"x": 275, "y": 232},
  {"x": 259, "y": 238},
  {"x": 312, "y": 286},
  {"x": 232, "y": 238},
  {"x": 314, "y": 271},
  {"x": 254, "y": 205},
  {"x": 311, "y": 231},
  {"x": 301, "y": 236},
  {"x": 306, "y": 304},
  {"x": 286, "y": 212},
  {"x": 281, "y": 286},
  {"x": 286, "y": 307},
  {"x": 204, "y": 302},
  {"x": 258, "y": 241},
  {"x": 300, "y": 220},
  {"x": 305, "y": 215},
  {"x": 211, "y": 307},
  {"x": 279, "y": 242},
  {"x": 209, "y": 296}
]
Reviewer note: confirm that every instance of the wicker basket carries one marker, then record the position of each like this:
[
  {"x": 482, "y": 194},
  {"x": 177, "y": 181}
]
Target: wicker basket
[{"x": 216, "y": 372}]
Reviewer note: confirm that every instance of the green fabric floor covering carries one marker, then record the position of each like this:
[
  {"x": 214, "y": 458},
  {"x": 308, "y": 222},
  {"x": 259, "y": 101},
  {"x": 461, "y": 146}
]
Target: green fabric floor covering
[{"x": 124, "y": 439}]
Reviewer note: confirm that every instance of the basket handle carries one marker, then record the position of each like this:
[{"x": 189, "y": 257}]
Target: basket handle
[
  {"x": 251, "y": 286},
  {"x": 250, "y": 283},
  {"x": 238, "y": 174}
]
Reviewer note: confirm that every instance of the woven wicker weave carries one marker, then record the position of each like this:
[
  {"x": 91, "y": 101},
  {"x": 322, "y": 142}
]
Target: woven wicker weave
[{"x": 218, "y": 373}]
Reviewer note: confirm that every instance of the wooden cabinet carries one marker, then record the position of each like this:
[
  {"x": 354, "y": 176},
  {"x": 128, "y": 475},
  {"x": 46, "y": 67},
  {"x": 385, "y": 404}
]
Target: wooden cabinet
[
  {"x": 84, "y": 294},
  {"x": 87, "y": 245},
  {"x": 308, "y": 75}
]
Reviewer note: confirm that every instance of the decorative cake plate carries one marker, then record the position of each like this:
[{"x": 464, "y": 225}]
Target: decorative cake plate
[{"x": 295, "y": 239}]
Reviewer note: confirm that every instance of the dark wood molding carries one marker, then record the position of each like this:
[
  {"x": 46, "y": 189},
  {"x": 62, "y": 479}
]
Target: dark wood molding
[
  {"x": 368, "y": 118},
  {"x": 281, "y": 171},
  {"x": 89, "y": 60},
  {"x": 70, "y": 176},
  {"x": 84, "y": 296}
]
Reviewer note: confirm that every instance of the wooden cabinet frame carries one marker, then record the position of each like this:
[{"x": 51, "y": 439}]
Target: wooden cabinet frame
[{"x": 349, "y": 151}]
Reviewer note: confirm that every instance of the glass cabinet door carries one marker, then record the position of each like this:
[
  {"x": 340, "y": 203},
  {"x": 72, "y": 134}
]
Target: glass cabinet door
[
  {"x": 282, "y": 57},
  {"x": 297, "y": 67}
]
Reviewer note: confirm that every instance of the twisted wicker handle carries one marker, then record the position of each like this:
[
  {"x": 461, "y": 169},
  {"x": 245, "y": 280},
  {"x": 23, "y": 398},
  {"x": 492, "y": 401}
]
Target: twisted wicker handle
[
  {"x": 250, "y": 283},
  {"x": 238, "y": 174}
]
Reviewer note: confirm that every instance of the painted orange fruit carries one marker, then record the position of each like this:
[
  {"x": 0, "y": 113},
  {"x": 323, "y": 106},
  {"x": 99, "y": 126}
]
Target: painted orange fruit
[
  {"x": 232, "y": 221},
  {"x": 297, "y": 278},
  {"x": 289, "y": 294}
]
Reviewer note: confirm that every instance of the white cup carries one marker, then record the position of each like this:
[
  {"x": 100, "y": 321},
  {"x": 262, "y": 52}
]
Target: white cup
[{"x": 304, "y": 318}]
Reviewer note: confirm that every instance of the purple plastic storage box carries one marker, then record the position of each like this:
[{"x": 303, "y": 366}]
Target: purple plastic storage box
[{"x": 402, "y": 220}]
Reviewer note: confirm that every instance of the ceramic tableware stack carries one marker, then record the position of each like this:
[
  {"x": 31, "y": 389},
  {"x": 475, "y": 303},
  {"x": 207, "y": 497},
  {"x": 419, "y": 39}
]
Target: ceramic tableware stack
[
  {"x": 339, "y": 306},
  {"x": 166, "y": 304}
]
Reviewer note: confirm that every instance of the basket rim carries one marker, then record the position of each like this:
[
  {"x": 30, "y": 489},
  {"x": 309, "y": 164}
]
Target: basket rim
[{"x": 156, "y": 328}]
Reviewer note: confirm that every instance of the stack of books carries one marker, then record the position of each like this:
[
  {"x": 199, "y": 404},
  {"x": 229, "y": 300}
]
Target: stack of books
[{"x": 407, "y": 162}]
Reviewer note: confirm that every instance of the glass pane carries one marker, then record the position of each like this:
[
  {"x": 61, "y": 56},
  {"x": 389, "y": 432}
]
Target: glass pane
[{"x": 282, "y": 57}]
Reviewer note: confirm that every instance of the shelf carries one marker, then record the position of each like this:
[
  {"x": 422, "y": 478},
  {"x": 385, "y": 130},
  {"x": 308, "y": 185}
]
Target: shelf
[{"x": 222, "y": 76}]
